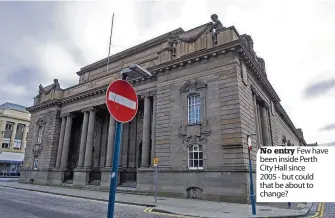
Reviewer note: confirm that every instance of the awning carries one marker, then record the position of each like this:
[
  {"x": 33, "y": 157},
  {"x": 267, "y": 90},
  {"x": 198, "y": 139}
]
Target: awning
[{"x": 11, "y": 157}]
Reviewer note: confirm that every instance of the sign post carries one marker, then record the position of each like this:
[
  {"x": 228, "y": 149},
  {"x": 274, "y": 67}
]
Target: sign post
[
  {"x": 155, "y": 177},
  {"x": 122, "y": 104},
  {"x": 252, "y": 195}
]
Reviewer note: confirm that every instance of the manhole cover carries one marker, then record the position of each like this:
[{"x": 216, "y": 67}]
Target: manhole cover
[{"x": 265, "y": 209}]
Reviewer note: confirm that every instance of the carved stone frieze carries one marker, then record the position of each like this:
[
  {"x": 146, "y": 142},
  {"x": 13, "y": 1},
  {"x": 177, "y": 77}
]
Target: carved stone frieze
[
  {"x": 90, "y": 85},
  {"x": 192, "y": 85},
  {"x": 41, "y": 122},
  {"x": 194, "y": 139},
  {"x": 272, "y": 108},
  {"x": 37, "y": 149}
]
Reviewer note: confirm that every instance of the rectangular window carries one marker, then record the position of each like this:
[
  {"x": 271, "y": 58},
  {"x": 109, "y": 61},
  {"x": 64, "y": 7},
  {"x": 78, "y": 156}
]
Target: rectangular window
[
  {"x": 5, "y": 143},
  {"x": 20, "y": 128},
  {"x": 194, "y": 109},
  {"x": 9, "y": 126},
  {"x": 195, "y": 157},
  {"x": 17, "y": 144}
]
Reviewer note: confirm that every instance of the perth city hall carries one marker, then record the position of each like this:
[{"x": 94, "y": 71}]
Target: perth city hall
[{"x": 208, "y": 92}]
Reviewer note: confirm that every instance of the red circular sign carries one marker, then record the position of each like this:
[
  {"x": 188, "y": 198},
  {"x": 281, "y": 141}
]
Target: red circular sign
[{"x": 121, "y": 101}]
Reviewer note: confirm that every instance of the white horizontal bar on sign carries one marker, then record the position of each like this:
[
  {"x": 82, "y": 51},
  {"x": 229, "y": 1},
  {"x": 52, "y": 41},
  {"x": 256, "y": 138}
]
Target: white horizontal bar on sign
[{"x": 122, "y": 100}]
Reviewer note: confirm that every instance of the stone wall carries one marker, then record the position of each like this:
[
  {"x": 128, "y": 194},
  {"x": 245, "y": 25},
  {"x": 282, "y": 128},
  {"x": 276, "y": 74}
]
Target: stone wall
[
  {"x": 48, "y": 149},
  {"x": 282, "y": 129}
]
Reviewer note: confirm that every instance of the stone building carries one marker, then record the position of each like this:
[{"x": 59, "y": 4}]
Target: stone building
[
  {"x": 209, "y": 90},
  {"x": 14, "y": 125}
]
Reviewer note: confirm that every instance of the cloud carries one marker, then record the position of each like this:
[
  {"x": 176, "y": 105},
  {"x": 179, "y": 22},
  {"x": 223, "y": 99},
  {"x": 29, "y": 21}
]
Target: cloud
[
  {"x": 319, "y": 88},
  {"x": 328, "y": 127},
  {"x": 41, "y": 41}
]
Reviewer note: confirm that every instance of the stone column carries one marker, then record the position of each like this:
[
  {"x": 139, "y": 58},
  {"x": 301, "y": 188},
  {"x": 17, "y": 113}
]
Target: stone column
[
  {"x": 67, "y": 138},
  {"x": 89, "y": 140},
  {"x": 125, "y": 145},
  {"x": 153, "y": 130},
  {"x": 268, "y": 121},
  {"x": 12, "y": 137},
  {"x": 60, "y": 142},
  {"x": 104, "y": 138},
  {"x": 110, "y": 142},
  {"x": 83, "y": 139},
  {"x": 132, "y": 142},
  {"x": 265, "y": 128},
  {"x": 24, "y": 137},
  {"x": 254, "y": 101},
  {"x": 146, "y": 132}
]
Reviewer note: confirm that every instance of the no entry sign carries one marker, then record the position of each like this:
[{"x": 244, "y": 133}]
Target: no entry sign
[{"x": 121, "y": 101}]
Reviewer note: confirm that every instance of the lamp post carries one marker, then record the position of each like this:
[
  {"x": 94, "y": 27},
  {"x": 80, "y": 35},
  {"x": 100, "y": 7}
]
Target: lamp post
[
  {"x": 252, "y": 194},
  {"x": 134, "y": 71}
]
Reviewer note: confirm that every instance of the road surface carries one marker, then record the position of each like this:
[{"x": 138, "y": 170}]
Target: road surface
[
  {"x": 324, "y": 210},
  {"x": 16, "y": 203}
]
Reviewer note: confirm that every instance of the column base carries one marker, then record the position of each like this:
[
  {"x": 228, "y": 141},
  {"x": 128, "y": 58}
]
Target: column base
[
  {"x": 106, "y": 177},
  {"x": 56, "y": 176},
  {"x": 80, "y": 177}
]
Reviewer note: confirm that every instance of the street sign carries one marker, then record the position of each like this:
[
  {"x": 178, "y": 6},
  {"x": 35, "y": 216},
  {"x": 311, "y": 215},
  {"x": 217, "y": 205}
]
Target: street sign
[
  {"x": 156, "y": 160},
  {"x": 122, "y": 101},
  {"x": 249, "y": 143}
]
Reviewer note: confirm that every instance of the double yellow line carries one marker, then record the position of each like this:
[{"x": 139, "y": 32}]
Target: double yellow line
[
  {"x": 319, "y": 213},
  {"x": 149, "y": 210}
]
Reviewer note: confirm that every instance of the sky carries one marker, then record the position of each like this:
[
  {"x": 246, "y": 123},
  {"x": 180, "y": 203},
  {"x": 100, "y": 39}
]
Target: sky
[{"x": 41, "y": 41}]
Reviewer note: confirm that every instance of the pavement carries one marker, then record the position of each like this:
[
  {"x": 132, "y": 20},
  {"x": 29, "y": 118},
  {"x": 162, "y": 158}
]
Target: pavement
[{"x": 173, "y": 206}]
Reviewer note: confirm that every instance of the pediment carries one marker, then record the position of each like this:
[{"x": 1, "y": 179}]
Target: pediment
[{"x": 193, "y": 85}]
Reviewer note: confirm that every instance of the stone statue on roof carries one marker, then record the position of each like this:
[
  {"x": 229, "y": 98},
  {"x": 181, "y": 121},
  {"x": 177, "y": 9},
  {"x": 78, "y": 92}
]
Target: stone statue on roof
[
  {"x": 216, "y": 28},
  {"x": 56, "y": 84},
  {"x": 41, "y": 89}
]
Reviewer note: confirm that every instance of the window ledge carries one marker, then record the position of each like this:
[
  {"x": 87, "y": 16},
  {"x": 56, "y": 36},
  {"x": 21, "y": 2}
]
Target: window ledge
[
  {"x": 196, "y": 169},
  {"x": 194, "y": 124}
]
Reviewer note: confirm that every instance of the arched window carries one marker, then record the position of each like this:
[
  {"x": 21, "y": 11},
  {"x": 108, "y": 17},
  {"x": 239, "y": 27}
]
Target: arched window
[
  {"x": 195, "y": 157},
  {"x": 193, "y": 108}
]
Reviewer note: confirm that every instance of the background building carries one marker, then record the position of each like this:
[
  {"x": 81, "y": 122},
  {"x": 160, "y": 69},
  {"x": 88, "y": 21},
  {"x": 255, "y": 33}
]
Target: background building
[
  {"x": 209, "y": 90},
  {"x": 14, "y": 123}
]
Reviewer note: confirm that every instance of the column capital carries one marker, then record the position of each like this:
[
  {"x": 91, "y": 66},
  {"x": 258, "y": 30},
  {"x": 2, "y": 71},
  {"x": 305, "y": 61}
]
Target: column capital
[
  {"x": 147, "y": 94},
  {"x": 68, "y": 115},
  {"x": 63, "y": 115},
  {"x": 86, "y": 109},
  {"x": 144, "y": 95},
  {"x": 254, "y": 91},
  {"x": 265, "y": 104}
]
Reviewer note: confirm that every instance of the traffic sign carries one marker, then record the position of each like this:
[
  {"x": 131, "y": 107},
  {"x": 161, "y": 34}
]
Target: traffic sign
[
  {"x": 249, "y": 143},
  {"x": 122, "y": 101}
]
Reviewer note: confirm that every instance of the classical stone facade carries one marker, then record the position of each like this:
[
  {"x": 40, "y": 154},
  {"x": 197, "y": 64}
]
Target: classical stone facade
[{"x": 209, "y": 90}]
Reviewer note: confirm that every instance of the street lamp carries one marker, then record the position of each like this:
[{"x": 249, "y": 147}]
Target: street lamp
[
  {"x": 134, "y": 71},
  {"x": 252, "y": 194}
]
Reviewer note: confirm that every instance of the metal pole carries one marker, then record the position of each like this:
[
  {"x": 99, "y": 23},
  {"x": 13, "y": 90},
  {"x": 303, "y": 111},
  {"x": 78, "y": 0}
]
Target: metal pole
[
  {"x": 155, "y": 183},
  {"x": 252, "y": 195},
  {"x": 114, "y": 177},
  {"x": 110, "y": 42}
]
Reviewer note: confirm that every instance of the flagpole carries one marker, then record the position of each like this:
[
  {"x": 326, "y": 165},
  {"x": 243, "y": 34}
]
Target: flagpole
[{"x": 110, "y": 42}]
